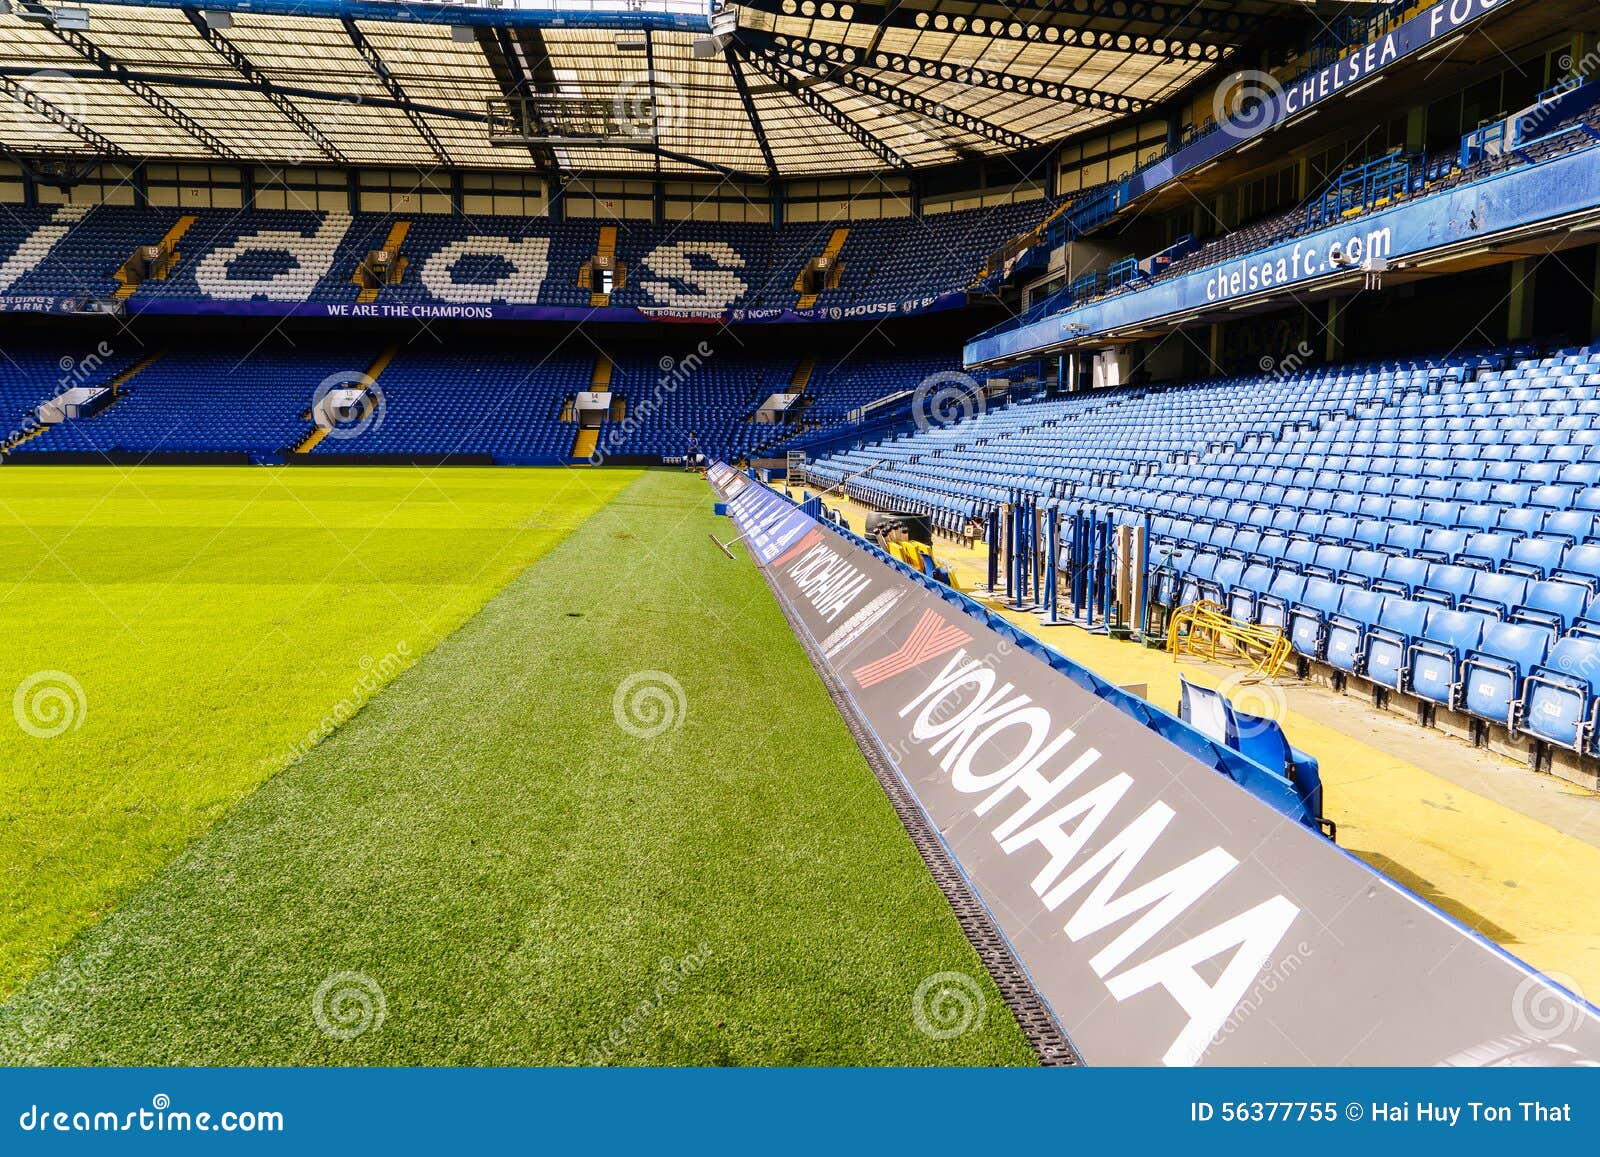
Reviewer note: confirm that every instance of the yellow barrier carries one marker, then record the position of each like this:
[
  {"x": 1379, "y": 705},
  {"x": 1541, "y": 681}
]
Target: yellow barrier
[{"x": 1205, "y": 631}]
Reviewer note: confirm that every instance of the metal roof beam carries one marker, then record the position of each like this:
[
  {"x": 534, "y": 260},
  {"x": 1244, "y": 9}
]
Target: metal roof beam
[
  {"x": 54, "y": 113},
  {"x": 227, "y": 84},
  {"x": 1027, "y": 28},
  {"x": 781, "y": 76},
  {"x": 394, "y": 89},
  {"x": 756, "y": 127},
  {"x": 263, "y": 84},
  {"x": 1174, "y": 18},
  {"x": 119, "y": 72},
  {"x": 910, "y": 101},
  {"x": 413, "y": 12},
  {"x": 843, "y": 57}
]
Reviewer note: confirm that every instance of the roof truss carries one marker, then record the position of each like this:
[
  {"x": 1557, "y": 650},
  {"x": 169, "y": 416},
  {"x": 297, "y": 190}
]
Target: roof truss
[
  {"x": 737, "y": 70},
  {"x": 781, "y": 76},
  {"x": 844, "y": 56},
  {"x": 393, "y": 88},
  {"x": 1012, "y": 25},
  {"x": 904, "y": 98},
  {"x": 263, "y": 84},
  {"x": 54, "y": 113}
]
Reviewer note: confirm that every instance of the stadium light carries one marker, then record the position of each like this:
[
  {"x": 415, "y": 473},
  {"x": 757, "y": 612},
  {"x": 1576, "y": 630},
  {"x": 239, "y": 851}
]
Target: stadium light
[
  {"x": 217, "y": 20},
  {"x": 706, "y": 47},
  {"x": 72, "y": 19}
]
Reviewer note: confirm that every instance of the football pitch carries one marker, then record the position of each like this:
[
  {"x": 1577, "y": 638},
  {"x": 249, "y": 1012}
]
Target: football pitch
[{"x": 454, "y": 766}]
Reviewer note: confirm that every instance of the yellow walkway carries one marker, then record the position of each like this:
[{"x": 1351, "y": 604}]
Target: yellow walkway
[
  {"x": 832, "y": 250},
  {"x": 391, "y": 244},
  {"x": 584, "y": 443},
  {"x": 1523, "y": 883}
]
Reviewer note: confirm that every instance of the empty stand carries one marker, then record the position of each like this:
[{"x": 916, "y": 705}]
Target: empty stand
[{"x": 1426, "y": 527}]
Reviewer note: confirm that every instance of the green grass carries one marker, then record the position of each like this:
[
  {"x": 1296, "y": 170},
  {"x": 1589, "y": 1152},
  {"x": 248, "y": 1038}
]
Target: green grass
[
  {"x": 212, "y": 619},
  {"x": 525, "y": 881}
]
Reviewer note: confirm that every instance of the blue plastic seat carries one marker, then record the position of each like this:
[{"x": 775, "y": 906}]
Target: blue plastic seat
[
  {"x": 1389, "y": 640},
  {"x": 1525, "y": 520},
  {"x": 1442, "y": 544},
  {"x": 1480, "y": 517},
  {"x": 1402, "y": 575},
  {"x": 1372, "y": 532},
  {"x": 1346, "y": 629},
  {"x": 1493, "y": 594},
  {"x": 1435, "y": 657},
  {"x": 1200, "y": 570},
  {"x": 1223, "y": 579},
  {"x": 1486, "y": 548},
  {"x": 1559, "y": 694},
  {"x": 1242, "y": 595},
  {"x": 1573, "y": 525},
  {"x": 1535, "y": 557},
  {"x": 1554, "y": 604},
  {"x": 1318, "y": 600},
  {"x": 1405, "y": 538},
  {"x": 1365, "y": 567},
  {"x": 1286, "y": 589},
  {"x": 1582, "y": 562},
  {"x": 1262, "y": 740},
  {"x": 1492, "y": 673}
]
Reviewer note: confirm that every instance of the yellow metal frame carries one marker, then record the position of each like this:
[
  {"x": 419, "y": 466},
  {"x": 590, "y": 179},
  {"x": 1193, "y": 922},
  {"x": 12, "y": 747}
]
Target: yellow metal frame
[{"x": 1205, "y": 631}]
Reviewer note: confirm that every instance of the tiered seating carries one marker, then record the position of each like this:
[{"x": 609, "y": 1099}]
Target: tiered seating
[
  {"x": 32, "y": 374},
  {"x": 1430, "y": 527},
  {"x": 839, "y": 386},
  {"x": 500, "y": 404},
  {"x": 216, "y": 400},
  {"x": 671, "y": 397},
  {"x": 1431, "y": 174},
  {"x": 305, "y": 256}
]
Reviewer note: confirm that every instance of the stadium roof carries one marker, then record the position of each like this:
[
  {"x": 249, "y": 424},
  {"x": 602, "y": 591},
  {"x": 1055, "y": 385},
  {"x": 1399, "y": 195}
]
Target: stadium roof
[{"x": 786, "y": 88}]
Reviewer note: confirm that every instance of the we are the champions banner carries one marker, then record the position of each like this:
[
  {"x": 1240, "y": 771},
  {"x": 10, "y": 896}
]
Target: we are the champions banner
[{"x": 1165, "y": 914}]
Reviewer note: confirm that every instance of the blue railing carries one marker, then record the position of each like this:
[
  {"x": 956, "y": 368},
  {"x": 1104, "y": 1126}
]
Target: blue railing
[
  {"x": 1245, "y": 772},
  {"x": 1364, "y": 187}
]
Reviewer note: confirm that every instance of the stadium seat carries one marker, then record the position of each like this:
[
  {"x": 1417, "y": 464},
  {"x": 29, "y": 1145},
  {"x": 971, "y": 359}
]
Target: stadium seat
[
  {"x": 1492, "y": 673},
  {"x": 1559, "y": 694},
  {"x": 1436, "y": 655}
]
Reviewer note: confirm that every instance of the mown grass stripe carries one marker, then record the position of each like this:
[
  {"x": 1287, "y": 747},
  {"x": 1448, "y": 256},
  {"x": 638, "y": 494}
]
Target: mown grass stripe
[{"x": 524, "y": 881}]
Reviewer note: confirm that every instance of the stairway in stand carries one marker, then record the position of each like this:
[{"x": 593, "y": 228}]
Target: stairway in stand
[{"x": 320, "y": 431}]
